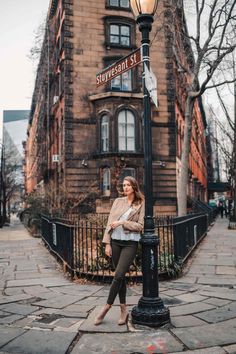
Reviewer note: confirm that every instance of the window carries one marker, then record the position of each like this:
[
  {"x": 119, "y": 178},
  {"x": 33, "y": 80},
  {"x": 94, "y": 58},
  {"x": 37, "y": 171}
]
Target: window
[
  {"x": 122, "y": 82},
  {"x": 119, "y": 3},
  {"x": 105, "y": 133},
  {"x": 119, "y": 34},
  {"x": 106, "y": 182},
  {"x": 126, "y": 131},
  {"x": 127, "y": 172}
]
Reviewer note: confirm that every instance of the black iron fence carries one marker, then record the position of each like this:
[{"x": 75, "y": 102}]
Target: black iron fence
[{"x": 78, "y": 244}]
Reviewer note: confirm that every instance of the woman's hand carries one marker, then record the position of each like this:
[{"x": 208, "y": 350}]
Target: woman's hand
[
  {"x": 116, "y": 224},
  {"x": 108, "y": 251}
]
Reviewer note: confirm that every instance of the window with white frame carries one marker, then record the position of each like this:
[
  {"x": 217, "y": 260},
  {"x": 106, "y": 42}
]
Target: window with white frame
[
  {"x": 126, "y": 131},
  {"x": 122, "y": 82},
  {"x": 120, "y": 34},
  {"x": 119, "y": 3},
  {"x": 105, "y": 133},
  {"x": 106, "y": 182}
]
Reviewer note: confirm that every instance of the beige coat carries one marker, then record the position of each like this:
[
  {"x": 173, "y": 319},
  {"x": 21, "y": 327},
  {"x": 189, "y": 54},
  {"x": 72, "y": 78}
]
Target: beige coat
[{"x": 134, "y": 223}]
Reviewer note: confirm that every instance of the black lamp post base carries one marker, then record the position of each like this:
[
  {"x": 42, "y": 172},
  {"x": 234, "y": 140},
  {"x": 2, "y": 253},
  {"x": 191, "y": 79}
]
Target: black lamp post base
[{"x": 150, "y": 312}]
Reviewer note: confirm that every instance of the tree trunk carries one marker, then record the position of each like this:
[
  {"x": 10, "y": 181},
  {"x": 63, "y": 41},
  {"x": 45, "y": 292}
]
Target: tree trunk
[
  {"x": 183, "y": 176},
  {"x": 234, "y": 153}
]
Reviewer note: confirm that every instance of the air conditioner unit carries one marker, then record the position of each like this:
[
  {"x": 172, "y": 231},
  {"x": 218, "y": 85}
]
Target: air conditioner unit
[
  {"x": 55, "y": 99},
  {"x": 55, "y": 158}
]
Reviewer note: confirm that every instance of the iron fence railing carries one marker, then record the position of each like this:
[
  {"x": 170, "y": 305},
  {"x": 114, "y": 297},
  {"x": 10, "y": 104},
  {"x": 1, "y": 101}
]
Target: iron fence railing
[
  {"x": 79, "y": 244},
  {"x": 187, "y": 233}
]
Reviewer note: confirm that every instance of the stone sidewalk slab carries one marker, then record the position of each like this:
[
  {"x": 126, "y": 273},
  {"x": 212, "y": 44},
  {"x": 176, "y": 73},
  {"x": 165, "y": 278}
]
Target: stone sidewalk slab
[
  {"x": 8, "y": 334},
  {"x": 58, "y": 302},
  {"x": 220, "y": 314},
  {"x": 213, "y": 350},
  {"x": 189, "y": 309},
  {"x": 147, "y": 342},
  {"x": 19, "y": 309},
  {"x": 14, "y": 298},
  {"x": 40, "y": 342},
  {"x": 109, "y": 324},
  {"x": 47, "y": 282},
  {"x": 211, "y": 335}
]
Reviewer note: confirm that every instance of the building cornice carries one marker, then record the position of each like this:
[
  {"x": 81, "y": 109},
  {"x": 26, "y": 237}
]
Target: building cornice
[{"x": 100, "y": 96}]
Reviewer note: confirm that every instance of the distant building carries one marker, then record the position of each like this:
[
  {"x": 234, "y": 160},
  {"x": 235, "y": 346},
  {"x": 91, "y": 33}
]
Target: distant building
[
  {"x": 14, "y": 134},
  {"x": 15, "y": 125},
  {"x": 81, "y": 136}
]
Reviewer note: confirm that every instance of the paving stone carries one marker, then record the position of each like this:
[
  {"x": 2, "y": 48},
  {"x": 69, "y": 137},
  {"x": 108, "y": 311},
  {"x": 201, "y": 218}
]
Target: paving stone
[
  {"x": 226, "y": 270},
  {"x": 132, "y": 300},
  {"x": 80, "y": 312},
  {"x": 186, "y": 321},
  {"x": 109, "y": 324},
  {"x": 127, "y": 343},
  {"x": 24, "y": 322},
  {"x": 190, "y": 309},
  {"x": 230, "y": 349},
  {"x": 36, "y": 290},
  {"x": 74, "y": 328},
  {"x": 40, "y": 342},
  {"x": 192, "y": 297},
  {"x": 68, "y": 322},
  {"x": 77, "y": 290},
  {"x": 13, "y": 298},
  {"x": 7, "y": 334},
  {"x": 48, "y": 282},
  {"x": 10, "y": 319},
  {"x": 13, "y": 291},
  {"x": 27, "y": 267},
  {"x": 216, "y": 302},
  {"x": 31, "y": 275},
  {"x": 220, "y": 293},
  {"x": 94, "y": 301},
  {"x": 19, "y": 309},
  {"x": 220, "y": 314},
  {"x": 187, "y": 280},
  {"x": 58, "y": 302},
  {"x": 216, "y": 280},
  {"x": 210, "y": 335},
  {"x": 213, "y": 350},
  {"x": 173, "y": 292},
  {"x": 202, "y": 269}
]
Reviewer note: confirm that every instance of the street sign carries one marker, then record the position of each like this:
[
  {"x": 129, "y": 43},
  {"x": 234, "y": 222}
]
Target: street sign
[
  {"x": 151, "y": 84},
  {"x": 119, "y": 67}
]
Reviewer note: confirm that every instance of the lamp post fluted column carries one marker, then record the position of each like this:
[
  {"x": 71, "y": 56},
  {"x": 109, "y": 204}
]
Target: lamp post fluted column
[{"x": 150, "y": 310}]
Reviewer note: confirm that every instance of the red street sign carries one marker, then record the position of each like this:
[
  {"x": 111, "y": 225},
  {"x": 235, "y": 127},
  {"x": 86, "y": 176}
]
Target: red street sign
[{"x": 119, "y": 67}]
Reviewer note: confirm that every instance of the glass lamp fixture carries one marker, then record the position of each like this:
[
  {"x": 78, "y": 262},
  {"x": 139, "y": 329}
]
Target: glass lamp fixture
[{"x": 143, "y": 7}]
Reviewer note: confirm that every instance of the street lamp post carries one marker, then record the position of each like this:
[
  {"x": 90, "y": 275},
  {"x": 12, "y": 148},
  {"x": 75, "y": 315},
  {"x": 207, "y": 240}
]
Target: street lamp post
[{"x": 150, "y": 310}]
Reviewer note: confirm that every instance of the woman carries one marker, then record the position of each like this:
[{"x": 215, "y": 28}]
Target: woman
[{"x": 121, "y": 237}]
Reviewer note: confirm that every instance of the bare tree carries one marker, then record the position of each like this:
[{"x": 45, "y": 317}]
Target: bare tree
[
  {"x": 224, "y": 137},
  {"x": 208, "y": 47},
  {"x": 11, "y": 179}
]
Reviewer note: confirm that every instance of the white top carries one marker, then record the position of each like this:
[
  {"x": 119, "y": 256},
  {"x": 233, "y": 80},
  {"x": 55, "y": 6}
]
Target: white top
[{"x": 118, "y": 232}]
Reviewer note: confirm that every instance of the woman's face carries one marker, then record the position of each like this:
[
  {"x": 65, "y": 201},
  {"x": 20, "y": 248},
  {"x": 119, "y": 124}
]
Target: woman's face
[{"x": 127, "y": 188}]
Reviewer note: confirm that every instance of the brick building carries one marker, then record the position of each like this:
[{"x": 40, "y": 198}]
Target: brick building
[{"x": 83, "y": 139}]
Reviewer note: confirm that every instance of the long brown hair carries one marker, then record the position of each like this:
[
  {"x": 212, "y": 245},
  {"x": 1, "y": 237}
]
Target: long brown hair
[{"x": 138, "y": 195}]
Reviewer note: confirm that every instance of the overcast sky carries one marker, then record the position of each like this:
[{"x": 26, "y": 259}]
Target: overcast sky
[{"x": 18, "y": 21}]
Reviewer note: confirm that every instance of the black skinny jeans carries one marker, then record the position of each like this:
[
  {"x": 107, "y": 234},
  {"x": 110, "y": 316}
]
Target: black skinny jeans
[{"x": 123, "y": 254}]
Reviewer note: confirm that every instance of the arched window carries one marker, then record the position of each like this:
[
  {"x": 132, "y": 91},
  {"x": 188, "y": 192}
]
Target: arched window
[
  {"x": 105, "y": 133},
  {"x": 106, "y": 182},
  {"x": 126, "y": 131}
]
